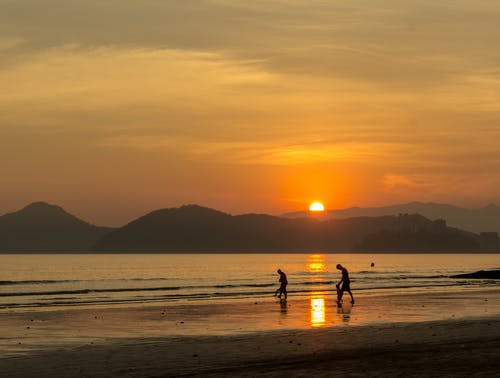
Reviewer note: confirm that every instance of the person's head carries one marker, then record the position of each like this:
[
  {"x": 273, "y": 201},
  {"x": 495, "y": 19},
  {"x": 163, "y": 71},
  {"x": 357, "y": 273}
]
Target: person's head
[
  {"x": 279, "y": 271},
  {"x": 339, "y": 267}
]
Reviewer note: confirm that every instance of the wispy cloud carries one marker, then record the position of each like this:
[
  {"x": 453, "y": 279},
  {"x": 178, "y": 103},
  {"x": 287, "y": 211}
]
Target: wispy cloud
[{"x": 397, "y": 98}]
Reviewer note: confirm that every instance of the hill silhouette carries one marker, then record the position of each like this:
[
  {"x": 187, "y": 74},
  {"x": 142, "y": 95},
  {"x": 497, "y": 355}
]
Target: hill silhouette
[
  {"x": 40, "y": 227},
  {"x": 194, "y": 228},
  {"x": 482, "y": 219}
]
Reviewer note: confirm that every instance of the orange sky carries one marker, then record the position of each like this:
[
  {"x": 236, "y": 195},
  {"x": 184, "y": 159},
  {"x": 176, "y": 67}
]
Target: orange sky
[{"x": 111, "y": 109}]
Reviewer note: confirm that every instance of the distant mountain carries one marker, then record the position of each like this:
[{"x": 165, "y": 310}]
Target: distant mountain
[
  {"x": 193, "y": 228},
  {"x": 40, "y": 227},
  {"x": 476, "y": 220}
]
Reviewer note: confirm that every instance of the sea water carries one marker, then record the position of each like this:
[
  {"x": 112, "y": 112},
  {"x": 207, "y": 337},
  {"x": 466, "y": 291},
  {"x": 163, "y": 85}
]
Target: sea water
[{"x": 48, "y": 280}]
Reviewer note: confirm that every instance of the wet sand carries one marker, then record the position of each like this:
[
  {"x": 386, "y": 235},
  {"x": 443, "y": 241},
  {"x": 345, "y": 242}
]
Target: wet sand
[
  {"x": 441, "y": 348},
  {"x": 431, "y": 334}
]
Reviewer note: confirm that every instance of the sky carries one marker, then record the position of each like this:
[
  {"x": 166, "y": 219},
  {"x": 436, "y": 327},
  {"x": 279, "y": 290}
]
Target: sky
[{"x": 115, "y": 108}]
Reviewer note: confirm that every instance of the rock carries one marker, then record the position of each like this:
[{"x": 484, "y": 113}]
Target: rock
[{"x": 494, "y": 274}]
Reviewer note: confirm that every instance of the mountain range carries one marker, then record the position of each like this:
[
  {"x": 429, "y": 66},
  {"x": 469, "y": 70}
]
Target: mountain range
[
  {"x": 41, "y": 227},
  {"x": 197, "y": 229},
  {"x": 484, "y": 219}
]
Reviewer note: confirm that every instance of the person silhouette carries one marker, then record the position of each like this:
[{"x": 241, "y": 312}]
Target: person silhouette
[
  {"x": 346, "y": 284},
  {"x": 283, "y": 282}
]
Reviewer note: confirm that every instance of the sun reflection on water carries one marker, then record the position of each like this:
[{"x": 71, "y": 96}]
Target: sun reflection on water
[{"x": 316, "y": 263}]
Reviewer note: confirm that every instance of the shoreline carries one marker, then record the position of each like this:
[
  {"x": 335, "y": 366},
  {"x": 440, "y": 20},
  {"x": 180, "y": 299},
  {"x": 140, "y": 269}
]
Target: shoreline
[{"x": 310, "y": 336}]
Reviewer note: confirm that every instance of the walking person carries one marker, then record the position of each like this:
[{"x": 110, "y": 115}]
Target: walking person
[
  {"x": 346, "y": 284},
  {"x": 283, "y": 282}
]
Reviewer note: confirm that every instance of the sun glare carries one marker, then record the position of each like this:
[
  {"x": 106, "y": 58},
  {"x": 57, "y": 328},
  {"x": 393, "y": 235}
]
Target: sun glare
[
  {"x": 318, "y": 315},
  {"x": 316, "y": 264},
  {"x": 316, "y": 206}
]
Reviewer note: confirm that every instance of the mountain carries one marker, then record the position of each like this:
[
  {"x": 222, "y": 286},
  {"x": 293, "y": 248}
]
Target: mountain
[
  {"x": 40, "y": 227},
  {"x": 193, "y": 228},
  {"x": 485, "y": 219}
]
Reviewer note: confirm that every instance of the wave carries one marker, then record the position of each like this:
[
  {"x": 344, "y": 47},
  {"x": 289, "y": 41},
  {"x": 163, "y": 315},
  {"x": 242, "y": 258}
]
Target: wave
[
  {"x": 88, "y": 291},
  {"x": 234, "y": 286},
  {"x": 32, "y": 282},
  {"x": 128, "y": 289},
  {"x": 144, "y": 289},
  {"x": 77, "y": 301},
  {"x": 295, "y": 288},
  {"x": 35, "y": 282},
  {"x": 415, "y": 277},
  {"x": 394, "y": 275},
  {"x": 375, "y": 281}
]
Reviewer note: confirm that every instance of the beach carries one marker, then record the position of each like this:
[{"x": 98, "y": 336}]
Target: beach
[
  {"x": 421, "y": 334},
  {"x": 445, "y": 348}
]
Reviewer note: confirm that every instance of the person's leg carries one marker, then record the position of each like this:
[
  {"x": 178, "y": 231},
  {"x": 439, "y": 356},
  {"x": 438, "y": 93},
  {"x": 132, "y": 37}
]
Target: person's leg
[
  {"x": 341, "y": 293},
  {"x": 282, "y": 291},
  {"x": 352, "y": 298},
  {"x": 285, "y": 292}
]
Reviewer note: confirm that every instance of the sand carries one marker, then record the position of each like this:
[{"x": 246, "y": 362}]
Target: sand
[
  {"x": 129, "y": 341},
  {"x": 442, "y": 348}
]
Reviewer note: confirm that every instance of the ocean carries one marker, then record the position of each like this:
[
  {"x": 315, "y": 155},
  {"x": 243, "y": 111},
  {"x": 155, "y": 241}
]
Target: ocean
[{"x": 48, "y": 280}]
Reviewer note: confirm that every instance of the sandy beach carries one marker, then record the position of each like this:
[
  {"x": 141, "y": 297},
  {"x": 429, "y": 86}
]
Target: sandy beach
[
  {"x": 431, "y": 334},
  {"x": 444, "y": 348}
]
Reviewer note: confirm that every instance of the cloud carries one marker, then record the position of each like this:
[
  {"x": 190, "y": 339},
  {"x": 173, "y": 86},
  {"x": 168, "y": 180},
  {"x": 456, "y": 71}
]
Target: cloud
[
  {"x": 108, "y": 89},
  {"x": 399, "y": 96},
  {"x": 411, "y": 44},
  {"x": 9, "y": 43},
  {"x": 395, "y": 182}
]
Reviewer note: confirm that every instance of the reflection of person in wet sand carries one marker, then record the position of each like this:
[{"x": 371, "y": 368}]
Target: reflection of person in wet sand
[
  {"x": 283, "y": 282},
  {"x": 283, "y": 307},
  {"x": 344, "y": 312},
  {"x": 346, "y": 284}
]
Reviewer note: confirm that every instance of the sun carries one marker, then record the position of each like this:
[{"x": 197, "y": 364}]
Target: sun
[{"x": 316, "y": 207}]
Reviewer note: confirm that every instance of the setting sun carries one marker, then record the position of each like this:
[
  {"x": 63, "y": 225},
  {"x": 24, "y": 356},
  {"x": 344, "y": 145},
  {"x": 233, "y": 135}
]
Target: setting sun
[{"x": 316, "y": 206}]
